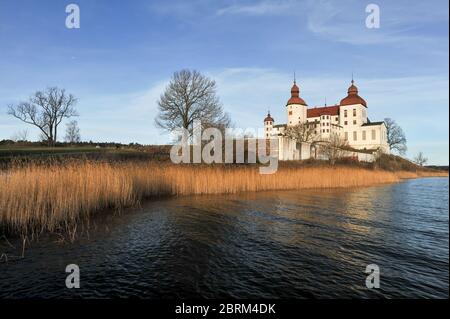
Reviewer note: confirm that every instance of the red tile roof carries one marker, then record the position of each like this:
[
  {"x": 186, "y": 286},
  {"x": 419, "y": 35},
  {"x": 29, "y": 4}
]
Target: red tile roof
[
  {"x": 269, "y": 118},
  {"x": 296, "y": 100},
  {"x": 295, "y": 96},
  {"x": 324, "y": 110},
  {"x": 353, "y": 97}
]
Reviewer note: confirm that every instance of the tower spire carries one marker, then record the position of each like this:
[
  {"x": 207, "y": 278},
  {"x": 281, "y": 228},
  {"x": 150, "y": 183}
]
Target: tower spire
[{"x": 295, "y": 82}]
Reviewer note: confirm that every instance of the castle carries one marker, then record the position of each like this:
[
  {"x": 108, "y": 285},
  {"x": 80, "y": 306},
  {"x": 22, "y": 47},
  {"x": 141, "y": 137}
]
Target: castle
[{"x": 347, "y": 120}]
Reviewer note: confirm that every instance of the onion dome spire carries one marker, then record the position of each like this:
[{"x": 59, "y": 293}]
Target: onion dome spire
[
  {"x": 352, "y": 96},
  {"x": 295, "y": 95},
  {"x": 268, "y": 118}
]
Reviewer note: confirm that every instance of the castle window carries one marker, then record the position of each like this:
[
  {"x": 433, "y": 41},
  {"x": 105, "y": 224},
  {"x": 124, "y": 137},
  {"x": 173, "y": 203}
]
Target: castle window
[
  {"x": 290, "y": 112},
  {"x": 354, "y": 112},
  {"x": 374, "y": 134},
  {"x": 364, "y": 135},
  {"x": 345, "y": 113},
  {"x": 345, "y": 122},
  {"x": 354, "y": 121},
  {"x": 355, "y": 136},
  {"x": 328, "y": 130}
]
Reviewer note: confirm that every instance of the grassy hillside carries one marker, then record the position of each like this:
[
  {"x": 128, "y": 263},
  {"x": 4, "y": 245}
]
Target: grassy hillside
[
  {"x": 11, "y": 155},
  {"x": 14, "y": 154}
]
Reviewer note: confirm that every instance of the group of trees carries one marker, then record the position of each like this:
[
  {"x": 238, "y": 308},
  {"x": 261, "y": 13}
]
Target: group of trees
[
  {"x": 332, "y": 148},
  {"x": 189, "y": 98},
  {"x": 46, "y": 110},
  {"x": 335, "y": 146},
  {"x": 397, "y": 141}
]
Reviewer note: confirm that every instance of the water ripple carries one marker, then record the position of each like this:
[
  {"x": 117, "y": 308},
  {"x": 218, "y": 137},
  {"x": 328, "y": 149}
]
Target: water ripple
[{"x": 296, "y": 244}]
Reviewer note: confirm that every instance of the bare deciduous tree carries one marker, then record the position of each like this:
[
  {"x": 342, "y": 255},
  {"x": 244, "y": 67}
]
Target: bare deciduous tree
[
  {"x": 188, "y": 98},
  {"x": 395, "y": 136},
  {"x": 72, "y": 132},
  {"x": 420, "y": 159},
  {"x": 20, "y": 136},
  {"x": 334, "y": 147},
  {"x": 302, "y": 132},
  {"x": 45, "y": 110}
]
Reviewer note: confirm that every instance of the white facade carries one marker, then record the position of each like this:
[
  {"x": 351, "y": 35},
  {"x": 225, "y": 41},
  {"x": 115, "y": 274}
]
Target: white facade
[{"x": 348, "y": 119}]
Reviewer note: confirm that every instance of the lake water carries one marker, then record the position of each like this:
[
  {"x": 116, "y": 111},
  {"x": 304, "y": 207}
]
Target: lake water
[{"x": 295, "y": 244}]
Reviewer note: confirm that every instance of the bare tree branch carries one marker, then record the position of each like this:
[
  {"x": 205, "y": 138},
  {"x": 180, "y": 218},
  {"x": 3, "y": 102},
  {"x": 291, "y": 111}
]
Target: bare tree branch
[
  {"x": 45, "y": 110},
  {"x": 190, "y": 97},
  {"x": 420, "y": 159},
  {"x": 72, "y": 132},
  {"x": 395, "y": 136},
  {"x": 334, "y": 148},
  {"x": 302, "y": 132}
]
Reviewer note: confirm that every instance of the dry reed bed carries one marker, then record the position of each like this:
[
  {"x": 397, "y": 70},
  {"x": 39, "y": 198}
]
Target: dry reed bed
[
  {"x": 36, "y": 198},
  {"x": 416, "y": 174}
]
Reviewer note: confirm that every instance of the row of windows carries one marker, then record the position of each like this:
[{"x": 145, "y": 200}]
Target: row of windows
[
  {"x": 346, "y": 122},
  {"x": 323, "y": 131},
  {"x": 363, "y": 137},
  {"x": 345, "y": 112},
  {"x": 327, "y": 117}
]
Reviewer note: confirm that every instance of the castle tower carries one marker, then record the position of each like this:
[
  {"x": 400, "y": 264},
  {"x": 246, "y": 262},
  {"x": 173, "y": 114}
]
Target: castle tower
[
  {"x": 353, "y": 109},
  {"x": 296, "y": 107},
  {"x": 268, "y": 125}
]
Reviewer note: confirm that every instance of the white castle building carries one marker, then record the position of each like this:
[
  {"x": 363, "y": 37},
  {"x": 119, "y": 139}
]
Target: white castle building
[{"x": 348, "y": 120}]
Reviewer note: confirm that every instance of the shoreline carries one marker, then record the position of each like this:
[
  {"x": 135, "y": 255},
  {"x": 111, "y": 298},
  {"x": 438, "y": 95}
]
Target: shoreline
[{"x": 36, "y": 199}]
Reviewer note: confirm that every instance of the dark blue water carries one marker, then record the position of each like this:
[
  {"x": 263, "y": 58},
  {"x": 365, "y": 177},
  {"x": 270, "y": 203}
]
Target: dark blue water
[{"x": 297, "y": 244}]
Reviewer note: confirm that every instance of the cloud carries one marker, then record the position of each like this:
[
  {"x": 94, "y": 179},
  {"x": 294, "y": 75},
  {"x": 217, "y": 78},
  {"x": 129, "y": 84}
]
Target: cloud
[
  {"x": 418, "y": 103},
  {"x": 344, "y": 21},
  {"x": 123, "y": 117},
  {"x": 402, "y": 25},
  {"x": 257, "y": 8}
]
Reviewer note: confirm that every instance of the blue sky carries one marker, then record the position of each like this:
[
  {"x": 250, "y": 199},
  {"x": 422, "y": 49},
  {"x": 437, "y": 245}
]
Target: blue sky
[{"x": 121, "y": 58}]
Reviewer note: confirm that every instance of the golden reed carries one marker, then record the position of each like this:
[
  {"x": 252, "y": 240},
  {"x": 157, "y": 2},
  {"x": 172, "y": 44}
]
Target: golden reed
[{"x": 36, "y": 198}]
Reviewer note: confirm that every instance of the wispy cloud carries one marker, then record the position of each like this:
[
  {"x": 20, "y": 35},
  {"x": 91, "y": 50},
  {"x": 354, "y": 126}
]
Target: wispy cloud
[
  {"x": 258, "y": 8},
  {"x": 344, "y": 21},
  {"x": 417, "y": 103}
]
